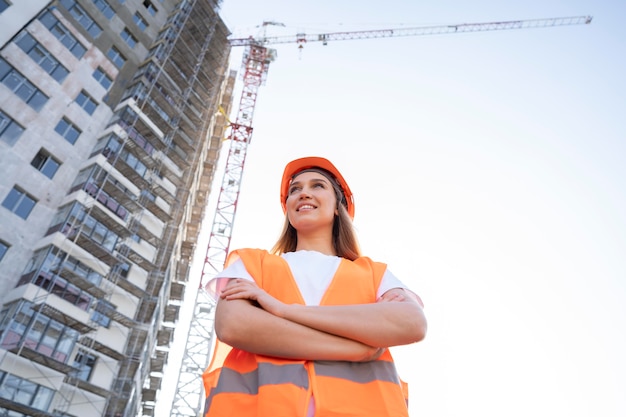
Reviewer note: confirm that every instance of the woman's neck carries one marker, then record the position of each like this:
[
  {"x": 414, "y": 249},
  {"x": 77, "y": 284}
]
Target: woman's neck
[{"x": 319, "y": 244}]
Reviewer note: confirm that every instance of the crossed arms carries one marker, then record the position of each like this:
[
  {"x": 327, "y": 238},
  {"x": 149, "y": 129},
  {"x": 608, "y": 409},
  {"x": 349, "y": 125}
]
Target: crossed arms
[{"x": 250, "y": 319}]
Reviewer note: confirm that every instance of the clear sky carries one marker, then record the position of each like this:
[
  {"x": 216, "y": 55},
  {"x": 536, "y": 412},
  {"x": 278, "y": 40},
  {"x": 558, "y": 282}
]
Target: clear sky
[{"x": 488, "y": 171}]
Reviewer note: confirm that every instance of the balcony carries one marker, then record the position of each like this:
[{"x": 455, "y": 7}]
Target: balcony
[
  {"x": 128, "y": 252},
  {"x": 87, "y": 386},
  {"x": 42, "y": 359},
  {"x": 106, "y": 218},
  {"x": 99, "y": 347},
  {"x": 61, "y": 317},
  {"x": 157, "y": 210},
  {"x": 170, "y": 315},
  {"x": 165, "y": 336},
  {"x": 130, "y": 173},
  {"x": 177, "y": 291},
  {"x": 123, "y": 196},
  {"x": 95, "y": 248},
  {"x": 80, "y": 282},
  {"x": 24, "y": 409}
]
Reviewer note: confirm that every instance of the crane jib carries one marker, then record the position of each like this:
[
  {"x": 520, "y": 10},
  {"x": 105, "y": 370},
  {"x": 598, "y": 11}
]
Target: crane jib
[{"x": 414, "y": 31}]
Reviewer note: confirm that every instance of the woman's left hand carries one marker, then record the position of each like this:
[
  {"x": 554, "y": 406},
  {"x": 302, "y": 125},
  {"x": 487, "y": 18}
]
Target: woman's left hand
[{"x": 244, "y": 289}]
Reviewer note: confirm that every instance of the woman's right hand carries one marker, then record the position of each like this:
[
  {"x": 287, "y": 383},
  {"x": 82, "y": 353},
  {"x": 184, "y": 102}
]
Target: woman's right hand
[{"x": 243, "y": 289}]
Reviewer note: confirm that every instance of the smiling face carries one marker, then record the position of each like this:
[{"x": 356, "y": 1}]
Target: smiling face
[{"x": 311, "y": 202}]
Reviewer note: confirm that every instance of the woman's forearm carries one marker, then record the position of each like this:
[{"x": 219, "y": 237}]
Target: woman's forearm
[
  {"x": 381, "y": 324},
  {"x": 247, "y": 327}
]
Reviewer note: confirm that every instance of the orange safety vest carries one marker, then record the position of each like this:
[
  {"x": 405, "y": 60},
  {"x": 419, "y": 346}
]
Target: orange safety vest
[{"x": 239, "y": 383}]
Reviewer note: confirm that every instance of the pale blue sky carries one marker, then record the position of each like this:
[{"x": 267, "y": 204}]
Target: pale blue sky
[{"x": 488, "y": 171}]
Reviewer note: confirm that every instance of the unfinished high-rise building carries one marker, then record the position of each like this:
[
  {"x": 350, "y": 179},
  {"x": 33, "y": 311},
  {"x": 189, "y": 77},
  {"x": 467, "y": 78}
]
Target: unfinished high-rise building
[{"x": 110, "y": 133}]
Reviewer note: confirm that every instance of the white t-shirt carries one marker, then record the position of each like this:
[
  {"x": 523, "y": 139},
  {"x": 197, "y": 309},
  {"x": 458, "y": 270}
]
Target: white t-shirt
[{"x": 313, "y": 272}]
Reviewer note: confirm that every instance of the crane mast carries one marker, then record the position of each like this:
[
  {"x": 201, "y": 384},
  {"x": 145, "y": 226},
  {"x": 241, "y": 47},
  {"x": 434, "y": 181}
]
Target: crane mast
[{"x": 188, "y": 398}]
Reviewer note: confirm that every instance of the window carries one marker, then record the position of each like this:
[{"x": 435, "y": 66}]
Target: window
[
  {"x": 82, "y": 17},
  {"x": 22, "y": 391},
  {"x": 150, "y": 7},
  {"x": 67, "y": 129},
  {"x": 86, "y": 102},
  {"x": 45, "y": 163},
  {"x": 10, "y": 131},
  {"x": 140, "y": 22},
  {"x": 4, "y": 4},
  {"x": 116, "y": 56},
  {"x": 134, "y": 162},
  {"x": 19, "y": 202},
  {"x": 99, "y": 314},
  {"x": 41, "y": 56},
  {"x": 63, "y": 34},
  {"x": 85, "y": 362},
  {"x": 4, "y": 247},
  {"x": 23, "y": 88},
  {"x": 73, "y": 218},
  {"x": 106, "y": 200},
  {"x": 102, "y": 78},
  {"x": 39, "y": 333},
  {"x": 52, "y": 260},
  {"x": 63, "y": 289},
  {"x": 128, "y": 38},
  {"x": 105, "y": 8}
]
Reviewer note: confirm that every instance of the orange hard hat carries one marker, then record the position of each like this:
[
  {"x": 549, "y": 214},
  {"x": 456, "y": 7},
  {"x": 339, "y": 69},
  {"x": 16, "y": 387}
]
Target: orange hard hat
[{"x": 312, "y": 162}]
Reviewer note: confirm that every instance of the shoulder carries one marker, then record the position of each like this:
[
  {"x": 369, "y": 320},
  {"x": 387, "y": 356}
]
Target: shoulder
[
  {"x": 246, "y": 255},
  {"x": 367, "y": 261}
]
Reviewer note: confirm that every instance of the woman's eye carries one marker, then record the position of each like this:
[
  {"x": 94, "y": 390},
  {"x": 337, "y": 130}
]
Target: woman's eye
[{"x": 293, "y": 190}]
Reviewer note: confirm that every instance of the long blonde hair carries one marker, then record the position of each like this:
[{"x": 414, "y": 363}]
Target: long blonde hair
[{"x": 345, "y": 241}]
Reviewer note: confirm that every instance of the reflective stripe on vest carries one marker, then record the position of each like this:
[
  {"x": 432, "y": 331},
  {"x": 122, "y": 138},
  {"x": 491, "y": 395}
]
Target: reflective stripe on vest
[
  {"x": 359, "y": 372},
  {"x": 233, "y": 382}
]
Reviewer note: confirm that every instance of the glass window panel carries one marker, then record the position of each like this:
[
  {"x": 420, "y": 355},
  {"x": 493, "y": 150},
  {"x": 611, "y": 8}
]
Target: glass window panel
[
  {"x": 94, "y": 30},
  {"x": 88, "y": 225},
  {"x": 25, "y": 207},
  {"x": 52, "y": 334},
  {"x": 13, "y": 80},
  {"x": 90, "y": 106},
  {"x": 4, "y": 247},
  {"x": 99, "y": 233},
  {"x": 37, "y": 329},
  {"x": 66, "y": 343},
  {"x": 26, "y": 42},
  {"x": 110, "y": 241},
  {"x": 38, "y": 100},
  {"x": 43, "y": 398},
  {"x": 59, "y": 73},
  {"x": 25, "y": 91},
  {"x": 78, "y": 50},
  {"x": 50, "y": 168},
  {"x": 5, "y": 68},
  {"x": 12, "y": 133},
  {"x": 72, "y": 134},
  {"x": 12, "y": 198}
]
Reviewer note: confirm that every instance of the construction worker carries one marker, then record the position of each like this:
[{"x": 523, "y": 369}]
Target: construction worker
[{"x": 304, "y": 330}]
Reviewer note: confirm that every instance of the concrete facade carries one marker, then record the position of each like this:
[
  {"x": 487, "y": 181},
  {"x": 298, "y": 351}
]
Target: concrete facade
[{"x": 109, "y": 140}]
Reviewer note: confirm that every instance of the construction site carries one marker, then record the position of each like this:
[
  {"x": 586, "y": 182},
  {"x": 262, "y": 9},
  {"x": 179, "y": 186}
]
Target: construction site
[{"x": 114, "y": 117}]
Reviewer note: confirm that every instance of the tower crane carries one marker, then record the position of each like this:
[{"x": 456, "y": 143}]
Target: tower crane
[{"x": 188, "y": 398}]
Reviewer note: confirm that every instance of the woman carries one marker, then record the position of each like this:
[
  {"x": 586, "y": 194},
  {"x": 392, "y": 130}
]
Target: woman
[{"x": 304, "y": 330}]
